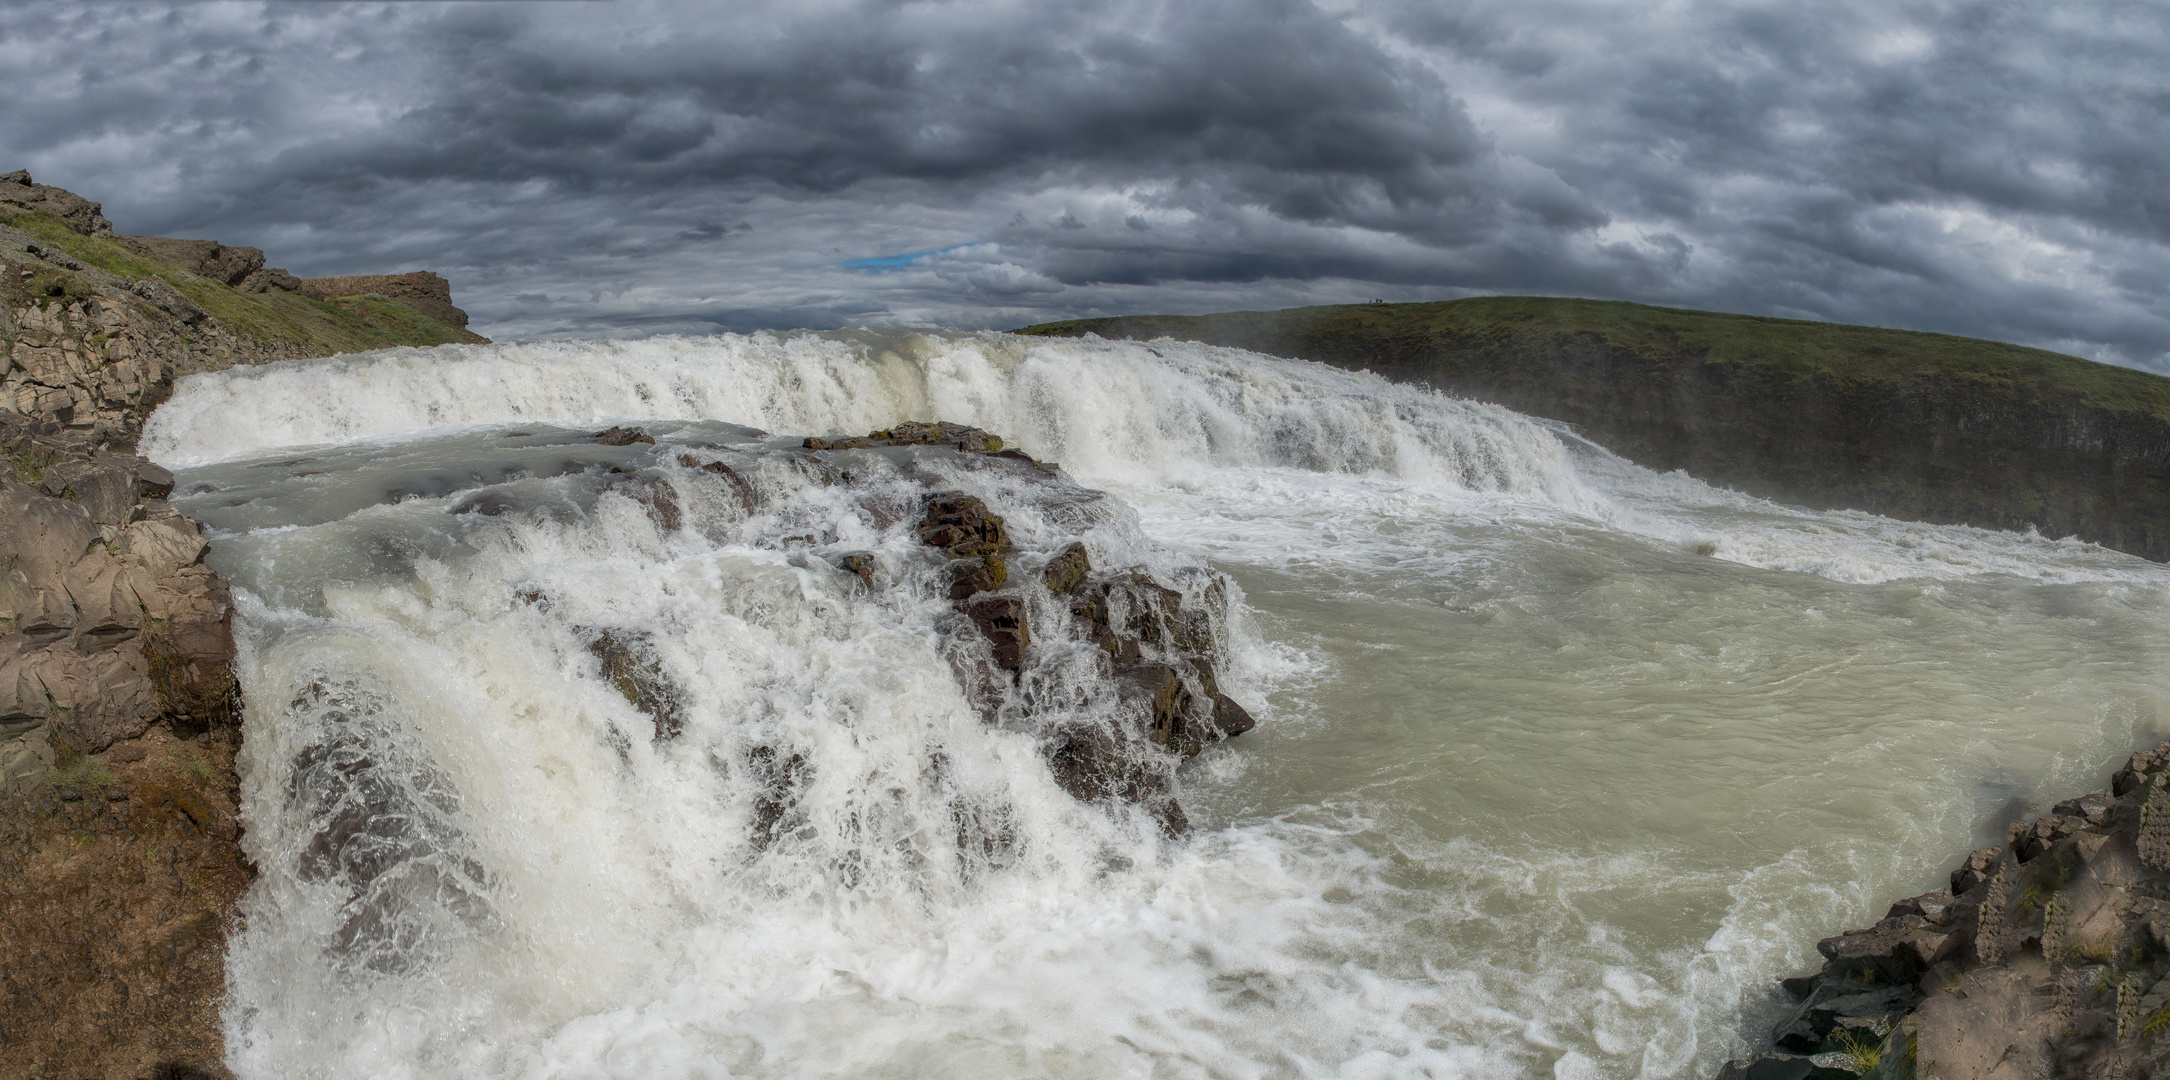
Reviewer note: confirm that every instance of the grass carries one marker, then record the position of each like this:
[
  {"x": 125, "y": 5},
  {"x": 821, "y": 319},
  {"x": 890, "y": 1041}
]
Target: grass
[
  {"x": 350, "y": 324},
  {"x": 1794, "y": 348},
  {"x": 88, "y": 776},
  {"x": 2156, "y": 1023},
  {"x": 1866, "y": 1053}
]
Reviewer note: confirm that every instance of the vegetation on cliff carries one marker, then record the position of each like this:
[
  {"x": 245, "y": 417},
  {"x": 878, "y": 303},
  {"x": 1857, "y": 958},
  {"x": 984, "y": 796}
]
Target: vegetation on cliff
[
  {"x": 305, "y": 324},
  {"x": 1926, "y": 426}
]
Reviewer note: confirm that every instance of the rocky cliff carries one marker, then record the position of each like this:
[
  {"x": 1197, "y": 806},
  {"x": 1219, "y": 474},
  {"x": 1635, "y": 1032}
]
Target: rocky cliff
[
  {"x": 95, "y": 326},
  {"x": 1922, "y": 426},
  {"x": 119, "y": 859},
  {"x": 120, "y": 864},
  {"x": 2045, "y": 957}
]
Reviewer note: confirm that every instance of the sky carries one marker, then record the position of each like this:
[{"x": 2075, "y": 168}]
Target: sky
[{"x": 596, "y": 169}]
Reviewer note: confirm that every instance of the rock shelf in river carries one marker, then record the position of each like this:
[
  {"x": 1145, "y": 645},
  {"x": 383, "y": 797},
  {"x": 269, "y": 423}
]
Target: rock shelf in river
[{"x": 2046, "y": 956}]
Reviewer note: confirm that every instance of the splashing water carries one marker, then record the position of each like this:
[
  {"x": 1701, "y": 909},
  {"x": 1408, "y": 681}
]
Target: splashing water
[{"x": 1560, "y": 761}]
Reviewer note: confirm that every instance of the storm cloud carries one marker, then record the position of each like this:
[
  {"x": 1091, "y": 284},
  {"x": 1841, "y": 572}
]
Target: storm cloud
[{"x": 1996, "y": 170}]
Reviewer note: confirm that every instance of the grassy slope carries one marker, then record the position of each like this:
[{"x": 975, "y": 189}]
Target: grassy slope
[
  {"x": 349, "y": 324},
  {"x": 1792, "y": 348}
]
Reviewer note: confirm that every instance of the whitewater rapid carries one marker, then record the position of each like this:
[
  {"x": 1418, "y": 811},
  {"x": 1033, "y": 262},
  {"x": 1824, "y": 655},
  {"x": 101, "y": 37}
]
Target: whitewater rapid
[{"x": 1560, "y": 761}]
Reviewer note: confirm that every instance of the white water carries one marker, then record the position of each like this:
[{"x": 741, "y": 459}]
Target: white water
[{"x": 1559, "y": 763}]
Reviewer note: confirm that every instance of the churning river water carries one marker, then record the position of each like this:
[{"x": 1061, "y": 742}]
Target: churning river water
[{"x": 1559, "y": 761}]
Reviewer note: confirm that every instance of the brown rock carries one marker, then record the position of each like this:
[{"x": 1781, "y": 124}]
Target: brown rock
[
  {"x": 1001, "y": 619},
  {"x": 961, "y": 525},
  {"x": 1067, "y": 570},
  {"x": 421, "y": 290},
  {"x": 81, "y": 214},
  {"x": 623, "y": 436},
  {"x": 632, "y": 667},
  {"x": 204, "y": 258}
]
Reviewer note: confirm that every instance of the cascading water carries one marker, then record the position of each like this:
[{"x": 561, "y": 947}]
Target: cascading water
[{"x": 1558, "y": 763}]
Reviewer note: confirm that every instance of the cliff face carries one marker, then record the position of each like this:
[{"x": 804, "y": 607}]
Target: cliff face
[
  {"x": 1921, "y": 426},
  {"x": 120, "y": 861},
  {"x": 95, "y": 326},
  {"x": 119, "y": 857}
]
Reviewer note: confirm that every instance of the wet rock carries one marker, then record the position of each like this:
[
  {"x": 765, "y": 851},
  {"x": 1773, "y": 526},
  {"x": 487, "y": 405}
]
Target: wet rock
[
  {"x": 860, "y": 564},
  {"x": 656, "y": 497},
  {"x": 914, "y": 433},
  {"x": 632, "y": 667},
  {"x": 1001, "y": 619},
  {"x": 970, "y": 577},
  {"x": 623, "y": 436},
  {"x": 781, "y": 780},
  {"x": 1780, "y": 1067},
  {"x": 963, "y": 526},
  {"x": 741, "y": 491},
  {"x": 1067, "y": 571}
]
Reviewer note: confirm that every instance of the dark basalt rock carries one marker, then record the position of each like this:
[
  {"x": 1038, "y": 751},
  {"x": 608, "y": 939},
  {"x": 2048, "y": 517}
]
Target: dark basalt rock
[
  {"x": 623, "y": 436},
  {"x": 1001, "y": 619}
]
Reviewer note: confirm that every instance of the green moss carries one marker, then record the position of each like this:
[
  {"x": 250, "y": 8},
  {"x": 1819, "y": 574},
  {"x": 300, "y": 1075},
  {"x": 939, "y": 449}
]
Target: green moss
[
  {"x": 1791, "y": 347},
  {"x": 351, "y": 324}
]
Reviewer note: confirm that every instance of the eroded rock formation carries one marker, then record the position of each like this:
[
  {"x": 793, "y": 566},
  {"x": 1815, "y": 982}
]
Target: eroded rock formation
[
  {"x": 95, "y": 326},
  {"x": 120, "y": 865},
  {"x": 2046, "y": 957}
]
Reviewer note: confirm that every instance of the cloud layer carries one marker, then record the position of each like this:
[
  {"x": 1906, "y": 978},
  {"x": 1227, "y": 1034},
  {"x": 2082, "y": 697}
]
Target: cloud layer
[{"x": 1996, "y": 170}]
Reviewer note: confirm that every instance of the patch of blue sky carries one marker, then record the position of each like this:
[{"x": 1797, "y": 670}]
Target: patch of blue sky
[{"x": 897, "y": 262}]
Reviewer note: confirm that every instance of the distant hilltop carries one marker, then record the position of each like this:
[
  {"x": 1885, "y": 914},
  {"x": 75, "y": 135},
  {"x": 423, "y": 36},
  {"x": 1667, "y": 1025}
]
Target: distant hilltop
[{"x": 96, "y": 325}]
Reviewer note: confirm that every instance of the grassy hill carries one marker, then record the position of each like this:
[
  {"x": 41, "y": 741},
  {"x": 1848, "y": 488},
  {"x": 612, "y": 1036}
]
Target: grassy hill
[
  {"x": 1925, "y": 426},
  {"x": 297, "y": 323}
]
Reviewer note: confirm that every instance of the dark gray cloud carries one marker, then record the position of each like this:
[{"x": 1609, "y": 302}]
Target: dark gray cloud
[{"x": 637, "y": 167}]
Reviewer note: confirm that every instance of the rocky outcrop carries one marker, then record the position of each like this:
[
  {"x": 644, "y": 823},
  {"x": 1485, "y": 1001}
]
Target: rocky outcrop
[
  {"x": 120, "y": 866},
  {"x": 1157, "y": 642},
  {"x": 94, "y": 326},
  {"x": 2046, "y": 956},
  {"x": 421, "y": 290},
  {"x": 1024, "y": 616},
  {"x": 238, "y": 267},
  {"x": 95, "y": 353},
  {"x": 79, "y": 213},
  {"x": 1928, "y": 427}
]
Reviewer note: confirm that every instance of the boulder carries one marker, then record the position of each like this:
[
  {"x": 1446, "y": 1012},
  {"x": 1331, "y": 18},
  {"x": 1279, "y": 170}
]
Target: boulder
[
  {"x": 80, "y": 214},
  {"x": 1067, "y": 570},
  {"x": 1001, "y": 619},
  {"x": 961, "y": 525},
  {"x": 632, "y": 667},
  {"x": 204, "y": 258}
]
